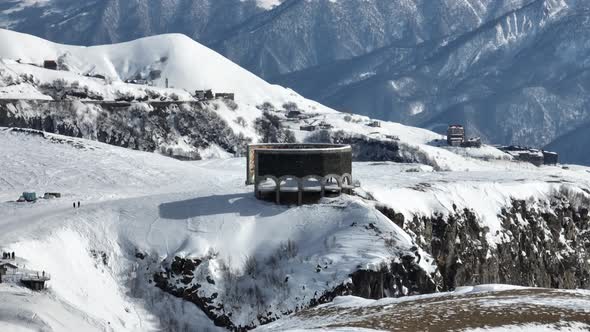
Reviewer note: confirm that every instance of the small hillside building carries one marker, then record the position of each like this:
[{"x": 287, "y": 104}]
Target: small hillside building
[
  {"x": 30, "y": 196},
  {"x": 7, "y": 268},
  {"x": 308, "y": 128},
  {"x": 11, "y": 273},
  {"x": 455, "y": 135},
  {"x": 474, "y": 142},
  {"x": 50, "y": 64},
  {"x": 550, "y": 158},
  {"x": 200, "y": 94},
  {"x": 325, "y": 125},
  {"x": 525, "y": 154},
  {"x": 223, "y": 95},
  {"x": 293, "y": 114}
]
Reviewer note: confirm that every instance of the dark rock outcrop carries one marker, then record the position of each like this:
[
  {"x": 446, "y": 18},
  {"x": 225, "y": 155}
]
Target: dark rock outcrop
[
  {"x": 157, "y": 126},
  {"x": 366, "y": 148},
  {"x": 402, "y": 277},
  {"x": 399, "y": 279},
  {"x": 542, "y": 244}
]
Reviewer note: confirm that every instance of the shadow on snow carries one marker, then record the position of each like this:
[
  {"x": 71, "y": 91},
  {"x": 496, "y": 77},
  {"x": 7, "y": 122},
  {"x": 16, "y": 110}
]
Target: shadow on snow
[{"x": 244, "y": 204}]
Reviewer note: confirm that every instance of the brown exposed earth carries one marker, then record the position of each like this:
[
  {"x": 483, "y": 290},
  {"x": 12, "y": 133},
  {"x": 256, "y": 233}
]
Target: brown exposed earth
[{"x": 458, "y": 312}]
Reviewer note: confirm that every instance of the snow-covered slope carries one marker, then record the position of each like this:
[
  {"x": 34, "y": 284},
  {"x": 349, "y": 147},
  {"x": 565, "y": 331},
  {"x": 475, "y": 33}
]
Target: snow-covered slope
[
  {"x": 185, "y": 63},
  {"x": 172, "y": 57},
  {"x": 145, "y": 218},
  {"x": 139, "y": 202},
  {"x": 497, "y": 308},
  {"x": 513, "y": 71}
]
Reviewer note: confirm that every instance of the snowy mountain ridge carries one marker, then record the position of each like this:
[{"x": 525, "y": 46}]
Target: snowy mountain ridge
[
  {"x": 493, "y": 65},
  {"x": 256, "y": 102},
  {"x": 185, "y": 63}
]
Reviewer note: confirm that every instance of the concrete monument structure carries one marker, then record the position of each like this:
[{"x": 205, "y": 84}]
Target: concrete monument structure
[{"x": 306, "y": 171}]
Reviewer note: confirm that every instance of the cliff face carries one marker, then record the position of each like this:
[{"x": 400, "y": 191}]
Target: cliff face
[
  {"x": 184, "y": 279},
  {"x": 184, "y": 129},
  {"x": 178, "y": 130},
  {"x": 543, "y": 244}
]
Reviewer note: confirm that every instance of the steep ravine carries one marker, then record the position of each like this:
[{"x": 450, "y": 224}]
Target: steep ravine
[
  {"x": 183, "y": 278},
  {"x": 544, "y": 243}
]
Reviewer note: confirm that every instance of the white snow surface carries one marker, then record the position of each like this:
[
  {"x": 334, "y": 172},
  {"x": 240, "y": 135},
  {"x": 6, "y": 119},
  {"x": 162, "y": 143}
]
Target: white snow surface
[
  {"x": 189, "y": 66},
  {"x": 186, "y": 63},
  {"x": 142, "y": 201},
  {"x": 267, "y": 4},
  {"x": 25, "y": 310}
]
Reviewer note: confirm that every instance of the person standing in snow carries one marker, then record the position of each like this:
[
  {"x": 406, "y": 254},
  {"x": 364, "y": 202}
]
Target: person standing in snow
[
  {"x": 13, "y": 255},
  {"x": 78, "y": 203},
  {"x": 74, "y": 204}
]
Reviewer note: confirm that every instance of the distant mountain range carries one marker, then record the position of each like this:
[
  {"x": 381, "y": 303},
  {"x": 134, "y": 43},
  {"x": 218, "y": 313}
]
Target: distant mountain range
[{"x": 513, "y": 71}]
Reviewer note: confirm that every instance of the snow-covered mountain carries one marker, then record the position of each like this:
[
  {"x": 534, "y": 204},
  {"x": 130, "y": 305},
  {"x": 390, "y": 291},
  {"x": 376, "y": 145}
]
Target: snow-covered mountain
[
  {"x": 517, "y": 78},
  {"x": 180, "y": 60},
  {"x": 511, "y": 70},
  {"x": 305, "y": 34},
  {"x": 91, "y": 22},
  {"x": 86, "y": 97},
  {"x": 165, "y": 244}
]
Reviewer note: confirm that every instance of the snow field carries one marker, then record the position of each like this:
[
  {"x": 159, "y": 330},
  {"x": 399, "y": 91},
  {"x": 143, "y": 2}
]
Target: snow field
[
  {"x": 485, "y": 191},
  {"x": 134, "y": 201},
  {"x": 174, "y": 57}
]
